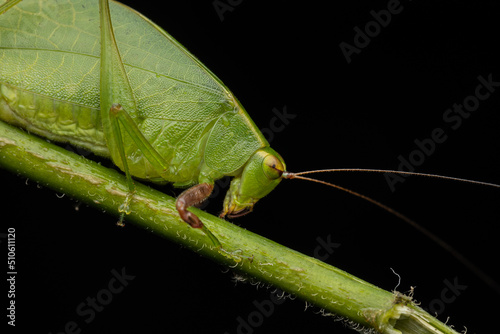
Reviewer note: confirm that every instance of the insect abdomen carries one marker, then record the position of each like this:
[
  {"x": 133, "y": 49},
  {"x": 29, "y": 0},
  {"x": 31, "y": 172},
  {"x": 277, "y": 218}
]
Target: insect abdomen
[{"x": 57, "y": 120}]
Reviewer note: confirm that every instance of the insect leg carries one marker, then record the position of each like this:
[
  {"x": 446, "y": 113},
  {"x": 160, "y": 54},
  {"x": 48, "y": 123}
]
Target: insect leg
[
  {"x": 120, "y": 118},
  {"x": 192, "y": 197},
  {"x": 114, "y": 87},
  {"x": 125, "y": 207},
  {"x": 8, "y": 5}
]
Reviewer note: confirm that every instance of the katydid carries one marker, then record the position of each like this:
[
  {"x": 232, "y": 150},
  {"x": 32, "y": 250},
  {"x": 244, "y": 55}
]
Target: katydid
[
  {"x": 134, "y": 95},
  {"x": 123, "y": 88}
]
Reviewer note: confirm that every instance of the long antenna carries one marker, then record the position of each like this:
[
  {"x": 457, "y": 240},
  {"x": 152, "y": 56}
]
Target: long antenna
[
  {"x": 466, "y": 262},
  {"x": 394, "y": 172}
]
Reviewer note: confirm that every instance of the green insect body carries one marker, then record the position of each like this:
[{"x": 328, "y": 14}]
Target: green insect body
[{"x": 132, "y": 93}]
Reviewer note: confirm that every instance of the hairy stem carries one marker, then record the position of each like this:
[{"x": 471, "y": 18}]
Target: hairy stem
[{"x": 337, "y": 292}]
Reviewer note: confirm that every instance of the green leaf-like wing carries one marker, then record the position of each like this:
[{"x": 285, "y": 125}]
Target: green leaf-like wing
[{"x": 52, "y": 49}]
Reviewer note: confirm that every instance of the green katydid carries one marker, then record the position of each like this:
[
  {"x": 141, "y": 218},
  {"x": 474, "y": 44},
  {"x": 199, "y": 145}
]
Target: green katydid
[
  {"x": 178, "y": 124},
  {"x": 125, "y": 89}
]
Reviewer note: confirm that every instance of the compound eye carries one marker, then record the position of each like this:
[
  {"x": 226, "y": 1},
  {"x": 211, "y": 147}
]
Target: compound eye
[{"x": 273, "y": 168}]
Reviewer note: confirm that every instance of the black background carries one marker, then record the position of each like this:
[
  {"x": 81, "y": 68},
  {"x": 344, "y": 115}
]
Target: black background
[{"x": 364, "y": 114}]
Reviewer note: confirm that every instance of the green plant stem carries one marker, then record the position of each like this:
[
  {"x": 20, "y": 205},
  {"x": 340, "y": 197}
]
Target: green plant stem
[{"x": 335, "y": 291}]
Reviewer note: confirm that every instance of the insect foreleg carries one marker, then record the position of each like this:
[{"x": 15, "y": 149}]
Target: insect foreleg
[
  {"x": 193, "y": 197},
  {"x": 8, "y": 5}
]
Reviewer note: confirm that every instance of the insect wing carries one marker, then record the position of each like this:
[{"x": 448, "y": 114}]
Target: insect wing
[{"x": 52, "y": 50}]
